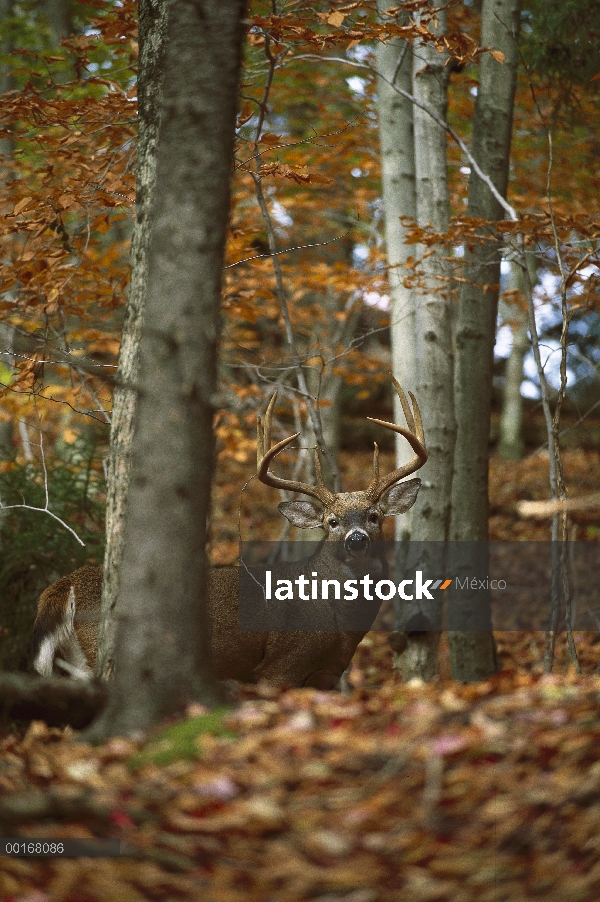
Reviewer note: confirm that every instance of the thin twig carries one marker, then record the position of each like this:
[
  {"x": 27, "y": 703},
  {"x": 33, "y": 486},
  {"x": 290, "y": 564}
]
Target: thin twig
[{"x": 288, "y": 250}]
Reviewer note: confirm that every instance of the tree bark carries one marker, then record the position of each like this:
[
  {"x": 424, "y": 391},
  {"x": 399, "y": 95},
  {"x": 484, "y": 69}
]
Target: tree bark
[
  {"x": 152, "y": 43},
  {"x": 162, "y": 648},
  {"x": 492, "y": 126},
  {"x": 433, "y": 319},
  {"x": 511, "y": 442},
  {"x": 396, "y": 135},
  {"x": 433, "y": 353}
]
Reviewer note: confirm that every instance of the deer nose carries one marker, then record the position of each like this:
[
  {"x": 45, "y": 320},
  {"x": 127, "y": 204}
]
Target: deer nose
[{"x": 357, "y": 541}]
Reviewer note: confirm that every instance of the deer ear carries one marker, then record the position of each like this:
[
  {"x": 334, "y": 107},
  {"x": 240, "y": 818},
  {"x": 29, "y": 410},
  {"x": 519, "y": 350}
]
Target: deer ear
[
  {"x": 400, "y": 497},
  {"x": 302, "y": 514}
]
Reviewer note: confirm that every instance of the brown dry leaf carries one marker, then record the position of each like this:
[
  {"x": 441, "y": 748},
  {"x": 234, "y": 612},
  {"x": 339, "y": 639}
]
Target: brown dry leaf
[
  {"x": 21, "y": 205},
  {"x": 270, "y": 138}
]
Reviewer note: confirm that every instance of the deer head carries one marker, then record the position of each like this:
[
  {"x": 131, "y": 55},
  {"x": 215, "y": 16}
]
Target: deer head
[{"x": 353, "y": 519}]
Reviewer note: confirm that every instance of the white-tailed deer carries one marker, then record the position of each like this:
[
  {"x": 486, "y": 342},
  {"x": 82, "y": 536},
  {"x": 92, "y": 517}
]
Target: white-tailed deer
[{"x": 66, "y": 627}]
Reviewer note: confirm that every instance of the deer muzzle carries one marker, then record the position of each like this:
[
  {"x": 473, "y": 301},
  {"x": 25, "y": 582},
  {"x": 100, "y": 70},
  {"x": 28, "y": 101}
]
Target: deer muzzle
[{"x": 357, "y": 542}]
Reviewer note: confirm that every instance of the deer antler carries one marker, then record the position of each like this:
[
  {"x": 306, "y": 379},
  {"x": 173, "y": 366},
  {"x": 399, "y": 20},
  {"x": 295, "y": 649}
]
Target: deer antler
[
  {"x": 415, "y": 437},
  {"x": 265, "y": 454}
]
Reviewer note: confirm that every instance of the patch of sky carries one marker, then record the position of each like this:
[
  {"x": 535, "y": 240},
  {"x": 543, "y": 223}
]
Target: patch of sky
[
  {"x": 374, "y": 299},
  {"x": 504, "y": 342},
  {"x": 585, "y": 273},
  {"x": 360, "y": 254},
  {"x": 357, "y": 85},
  {"x": 280, "y": 214},
  {"x": 359, "y": 53},
  {"x": 530, "y": 390}
]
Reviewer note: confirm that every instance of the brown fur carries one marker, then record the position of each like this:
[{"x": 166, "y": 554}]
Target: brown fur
[
  {"x": 52, "y": 615},
  {"x": 296, "y": 658}
]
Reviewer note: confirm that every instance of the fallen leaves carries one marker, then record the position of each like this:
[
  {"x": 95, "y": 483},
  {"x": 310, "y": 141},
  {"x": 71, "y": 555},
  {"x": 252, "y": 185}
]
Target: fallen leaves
[{"x": 419, "y": 792}]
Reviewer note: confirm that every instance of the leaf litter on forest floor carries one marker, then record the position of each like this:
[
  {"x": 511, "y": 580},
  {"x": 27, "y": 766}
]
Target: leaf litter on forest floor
[{"x": 419, "y": 792}]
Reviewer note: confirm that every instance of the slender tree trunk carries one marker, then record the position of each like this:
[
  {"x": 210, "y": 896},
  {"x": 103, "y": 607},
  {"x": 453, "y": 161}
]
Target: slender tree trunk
[
  {"x": 433, "y": 353},
  {"x": 433, "y": 319},
  {"x": 162, "y": 649},
  {"x": 396, "y": 133},
  {"x": 152, "y": 43},
  {"x": 473, "y": 653},
  {"x": 511, "y": 443}
]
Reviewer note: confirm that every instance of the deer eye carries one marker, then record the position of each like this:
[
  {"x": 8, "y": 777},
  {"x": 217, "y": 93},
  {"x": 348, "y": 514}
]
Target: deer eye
[
  {"x": 333, "y": 523},
  {"x": 373, "y": 518}
]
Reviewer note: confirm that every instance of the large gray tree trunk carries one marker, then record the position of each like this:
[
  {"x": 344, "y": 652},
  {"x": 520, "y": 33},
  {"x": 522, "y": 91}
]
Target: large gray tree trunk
[
  {"x": 433, "y": 320},
  {"x": 473, "y": 653},
  {"x": 162, "y": 648},
  {"x": 152, "y": 43},
  {"x": 433, "y": 353}
]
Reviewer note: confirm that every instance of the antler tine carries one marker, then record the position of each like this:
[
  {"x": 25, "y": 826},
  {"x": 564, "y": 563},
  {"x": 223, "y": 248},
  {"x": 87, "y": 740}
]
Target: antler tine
[
  {"x": 319, "y": 471},
  {"x": 415, "y": 437},
  {"x": 265, "y": 454},
  {"x": 375, "y": 462},
  {"x": 419, "y": 422},
  {"x": 405, "y": 405},
  {"x": 263, "y": 431}
]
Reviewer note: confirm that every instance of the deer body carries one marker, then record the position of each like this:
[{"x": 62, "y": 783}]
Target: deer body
[
  {"x": 66, "y": 636},
  {"x": 66, "y": 627}
]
